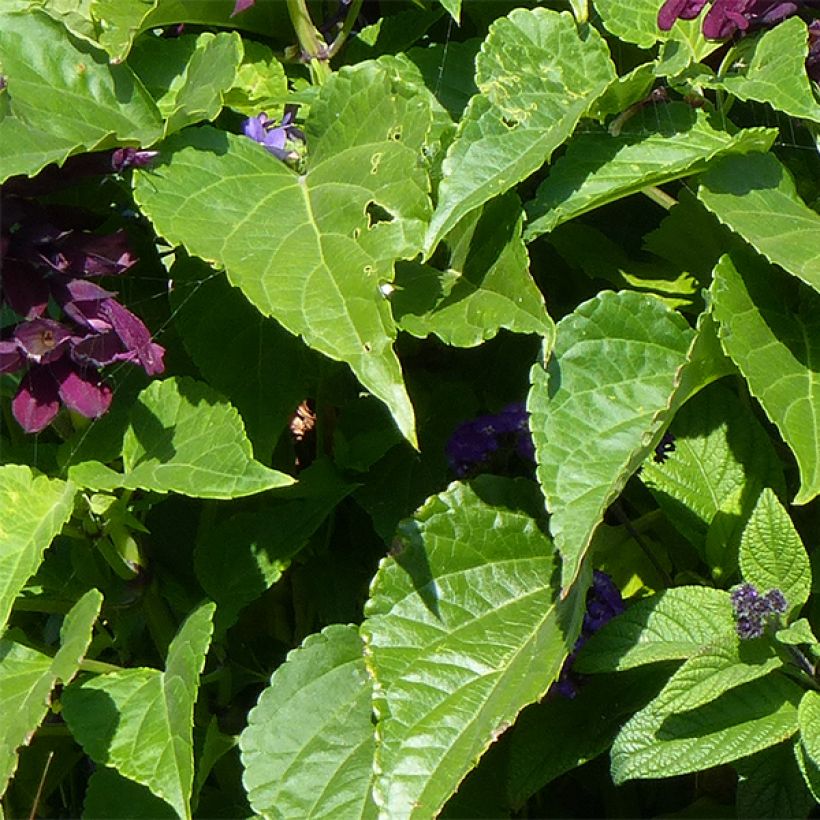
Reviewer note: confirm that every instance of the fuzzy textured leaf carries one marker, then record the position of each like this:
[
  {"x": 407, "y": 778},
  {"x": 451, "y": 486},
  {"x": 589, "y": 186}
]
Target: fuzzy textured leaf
[
  {"x": 33, "y": 509},
  {"x": 755, "y": 196},
  {"x": 537, "y": 75},
  {"x": 596, "y": 406},
  {"x": 775, "y": 347},
  {"x": 464, "y": 627},
  {"x": 308, "y": 747},
  {"x": 139, "y": 721},
  {"x": 658, "y": 742},
  {"x": 301, "y": 247},
  {"x": 772, "y": 554},
  {"x": 671, "y": 625}
]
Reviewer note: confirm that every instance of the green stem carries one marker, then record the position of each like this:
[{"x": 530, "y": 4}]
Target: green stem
[
  {"x": 314, "y": 48},
  {"x": 347, "y": 26},
  {"x": 660, "y": 197}
]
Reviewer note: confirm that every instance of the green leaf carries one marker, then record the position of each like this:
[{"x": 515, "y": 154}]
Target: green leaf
[
  {"x": 207, "y": 311},
  {"x": 260, "y": 83},
  {"x": 184, "y": 438},
  {"x": 754, "y": 195},
  {"x": 772, "y": 554},
  {"x": 109, "y": 796},
  {"x": 796, "y": 633},
  {"x": 809, "y": 770},
  {"x": 808, "y": 715},
  {"x": 120, "y": 22},
  {"x": 770, "y": 785},
  {"x": 596, "y": 406},
  {"x": 657, "y": 742},
  {"x": 586, "y": 726},
  {"x": 464, "y": 627},
  {"x": 308, "y": 249},
  {"x": 671, "y": 625},
  {"x": 33, "y": 509},
  {"x": 27, "y": 678},
  {"x": 537, "y": 76},
  {"x": 242, "y": 556},
  {"x": 637, "y": 22},
  {"x": 187, "y": 75},
  {"x": 722, "y": 460},
  {"x": 139, "y": 721},
  {"x": 486, "y": 287},
  {"x": 308, "y": 747},
  {"x": 659, "y": 144},
  {"x": 66, "y": 89},
  {"x": 774, "y": 346},
  {"x": 453, "y": 8},
  {"x": 773, "y": 71}
]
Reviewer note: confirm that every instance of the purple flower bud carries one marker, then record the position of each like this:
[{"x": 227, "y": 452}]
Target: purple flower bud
[
  {"x": 241, "y": 5},
  {"x": 124, "y": 158}
]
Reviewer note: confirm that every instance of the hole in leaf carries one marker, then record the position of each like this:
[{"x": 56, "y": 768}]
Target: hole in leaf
[
  {"x": 394, "y": 134},
  {"x": 376, "y": 214},
  {"x": 510, "y": 122}
]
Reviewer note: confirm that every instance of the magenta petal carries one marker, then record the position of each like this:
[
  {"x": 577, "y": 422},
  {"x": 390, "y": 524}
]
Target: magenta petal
[
  {"x": 11, "y": 358},
  {"x": 83, "y": 391},
  {"x": 135, "y": 337},
  {"x": 673, "y": 10},
  {"x": 37, "y": 401},
  {"x": 86, "y": 254},
  {"x": 241, "y": 5}
]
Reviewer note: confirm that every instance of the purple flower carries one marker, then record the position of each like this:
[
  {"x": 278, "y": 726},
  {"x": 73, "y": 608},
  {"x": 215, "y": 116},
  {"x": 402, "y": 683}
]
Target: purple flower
[
  {"x": 275, "y": 138},
  {"x": 473, "y": 443},
  {"x": 665, "y": 446},
  {"x": 755, "y": 611},
  {"x": 604, "y": 602},
  {"x": 813, "y": 60},
  {"x": 725, "y": 17}
]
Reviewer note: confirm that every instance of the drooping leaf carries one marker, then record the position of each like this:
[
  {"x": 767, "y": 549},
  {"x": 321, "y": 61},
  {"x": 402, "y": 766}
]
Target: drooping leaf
[
  {"x": 308, "y": 747},
  {"x": 187, "y": 75},
  {"x": 308, "y": 250},
  {"x": 775, "y": 346},
  {"x": 671, "y": 625},
  {"x": 596, "y": 406},
  {"x": 185, "y": 438},
  {"x": 33, "y": 509},
  {"x": 659, "y": 144},
  {"x": 139, "y": 721},
  {"x": 722, "y": 460},
  {"x": 659, "y": 742},
  {"x": 770, "y": 785},
  {"x": 808, "y": 715},
  {"x": 486, "y": 287},
  {"x": 772, "y": 554},
  {"x": 65, "y": 95},
  {"x": 27, "y": 678},
  {"x": 755, "y": 196},
  {"x": 537, "y": 75},
  {"x": 464, "y": 628}
]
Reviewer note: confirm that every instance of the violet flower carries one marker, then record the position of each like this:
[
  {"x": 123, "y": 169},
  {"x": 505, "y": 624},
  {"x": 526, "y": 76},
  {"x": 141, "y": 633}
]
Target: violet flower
[
  {"x": 604, "y": 602},
  {"x": 726, "y": 17},
  {"x": 124, "y": 158},
  {"x": 474, "y": 443},
  {"x": 275, "y": 138},
  {"x": 755, "y": 611},
  {"x": 813, "y": 60}
]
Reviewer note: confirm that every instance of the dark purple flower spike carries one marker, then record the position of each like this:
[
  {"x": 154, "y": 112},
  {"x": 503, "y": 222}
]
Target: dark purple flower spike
[{"x": 755, "y": 611}]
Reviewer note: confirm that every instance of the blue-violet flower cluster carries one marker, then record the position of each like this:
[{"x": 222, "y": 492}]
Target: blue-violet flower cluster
[
  {"x": 604, "y": 602},
  {"x": 58, "y": 325},
  {"x": 474, "y": 443},
  {"x": 278, "y": 139},
  {"x": 754, "y": 611}
]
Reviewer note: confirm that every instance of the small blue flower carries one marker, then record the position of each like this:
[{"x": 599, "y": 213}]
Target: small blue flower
[{"x": 275, "y": 138}]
